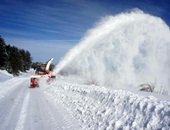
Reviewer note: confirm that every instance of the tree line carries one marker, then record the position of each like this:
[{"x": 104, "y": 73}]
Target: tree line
[{"x": 13, "y": 59}]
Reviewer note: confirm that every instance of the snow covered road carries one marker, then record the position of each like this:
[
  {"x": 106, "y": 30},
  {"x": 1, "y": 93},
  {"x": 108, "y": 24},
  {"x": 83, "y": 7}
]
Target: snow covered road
[
  {"x": 23, "y": 108},
  {"x": 62, "y": 105},
  {"x": 12, "y": 97}
]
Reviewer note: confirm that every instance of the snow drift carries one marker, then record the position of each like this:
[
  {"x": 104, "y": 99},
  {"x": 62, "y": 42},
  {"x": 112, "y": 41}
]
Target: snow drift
[
  {"x": 4, "y": 75},
  {"x": 122, "y": 51},
  {"x": 100, "y": 108}
]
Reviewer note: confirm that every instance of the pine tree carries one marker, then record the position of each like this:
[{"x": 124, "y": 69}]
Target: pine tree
[
  {"x": 28, "y": 60},
  {"x": 3, "y": 53},
  {"x": 13, "y": 59},
  {"x": 14, "y": 65}
]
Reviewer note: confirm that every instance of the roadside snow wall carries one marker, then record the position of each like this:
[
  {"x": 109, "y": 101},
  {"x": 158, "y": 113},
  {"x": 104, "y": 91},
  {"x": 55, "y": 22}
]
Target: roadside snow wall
[
  {"x": 4, "y": 75},
  {"x": 100, "y": 108}
]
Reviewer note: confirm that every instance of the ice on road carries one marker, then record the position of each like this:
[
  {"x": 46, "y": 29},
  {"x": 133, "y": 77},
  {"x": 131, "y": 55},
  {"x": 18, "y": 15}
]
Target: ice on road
[{"x": 23, "y": 108}]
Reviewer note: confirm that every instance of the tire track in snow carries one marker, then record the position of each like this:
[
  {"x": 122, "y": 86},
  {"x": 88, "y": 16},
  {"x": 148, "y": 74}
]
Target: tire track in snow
[
  {"x": 40, "y": 114},
  {"x": 67, "y": 120},
  {"x": 23, "y": 114},
  {"x": 59, "y": 122},
  {"x": 44, "y": 114},
  {"x": 48, "y": 111},
  {"x": 8, "y": 86},
  {"x": 53, "y": 120},
  {"x": 13, "y": 111}
]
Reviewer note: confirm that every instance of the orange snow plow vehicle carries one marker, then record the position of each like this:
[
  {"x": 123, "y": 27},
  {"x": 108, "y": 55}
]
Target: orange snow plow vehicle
[{"x": 42, "y": 70}]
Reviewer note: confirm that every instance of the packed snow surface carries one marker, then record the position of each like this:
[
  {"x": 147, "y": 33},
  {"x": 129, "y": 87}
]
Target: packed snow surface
[
  {"x": 122, "y": 51},
  {"x": 24, "y": 108}
]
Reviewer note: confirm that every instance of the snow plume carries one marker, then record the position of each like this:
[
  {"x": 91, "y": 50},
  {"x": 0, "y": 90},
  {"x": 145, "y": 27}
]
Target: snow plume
[{"x": 121, "y": 51}]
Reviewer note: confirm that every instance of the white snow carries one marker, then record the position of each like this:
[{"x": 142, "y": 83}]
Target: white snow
[
  {"x": 4, "y": 75},
  {"x": 113, "y": 103},
  {"x": 122, "y": 51},
  {"x": 23, "y": 114},
  {"x": 23, "y": 108},
  {"x": 102, "y": 108},
  {"x": 70, "y": 106}
]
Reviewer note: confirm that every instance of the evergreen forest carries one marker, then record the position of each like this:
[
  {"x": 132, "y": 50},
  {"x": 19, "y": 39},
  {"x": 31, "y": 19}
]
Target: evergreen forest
[{"x": 13, "y": 59}]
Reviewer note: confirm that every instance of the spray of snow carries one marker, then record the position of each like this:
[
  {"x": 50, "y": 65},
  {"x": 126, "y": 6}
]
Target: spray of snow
[{"x": 122, "y": 51}]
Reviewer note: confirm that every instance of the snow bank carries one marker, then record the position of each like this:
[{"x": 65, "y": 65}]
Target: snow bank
[
  {"x": 28, "y": 73},
  {"x": 101, "y": 108},
  {"x": 4, "y": 75},
  {"x": 8, "y": 82}
]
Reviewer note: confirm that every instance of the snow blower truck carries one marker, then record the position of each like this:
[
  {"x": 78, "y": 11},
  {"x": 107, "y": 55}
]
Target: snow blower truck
[{"x": 41, "y": 70}]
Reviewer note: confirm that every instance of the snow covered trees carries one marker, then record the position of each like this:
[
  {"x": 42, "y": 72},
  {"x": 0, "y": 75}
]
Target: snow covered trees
[{"x": 13, "y": 59}]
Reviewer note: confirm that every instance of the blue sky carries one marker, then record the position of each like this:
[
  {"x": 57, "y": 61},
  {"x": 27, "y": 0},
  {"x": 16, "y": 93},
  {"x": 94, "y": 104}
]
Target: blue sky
[{"x": 49, "y": 28}]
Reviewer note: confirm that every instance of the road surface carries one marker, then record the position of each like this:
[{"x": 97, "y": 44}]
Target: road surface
[
  {"x": 68, "y": 106},
  {"x": 24, "y": 108}
]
